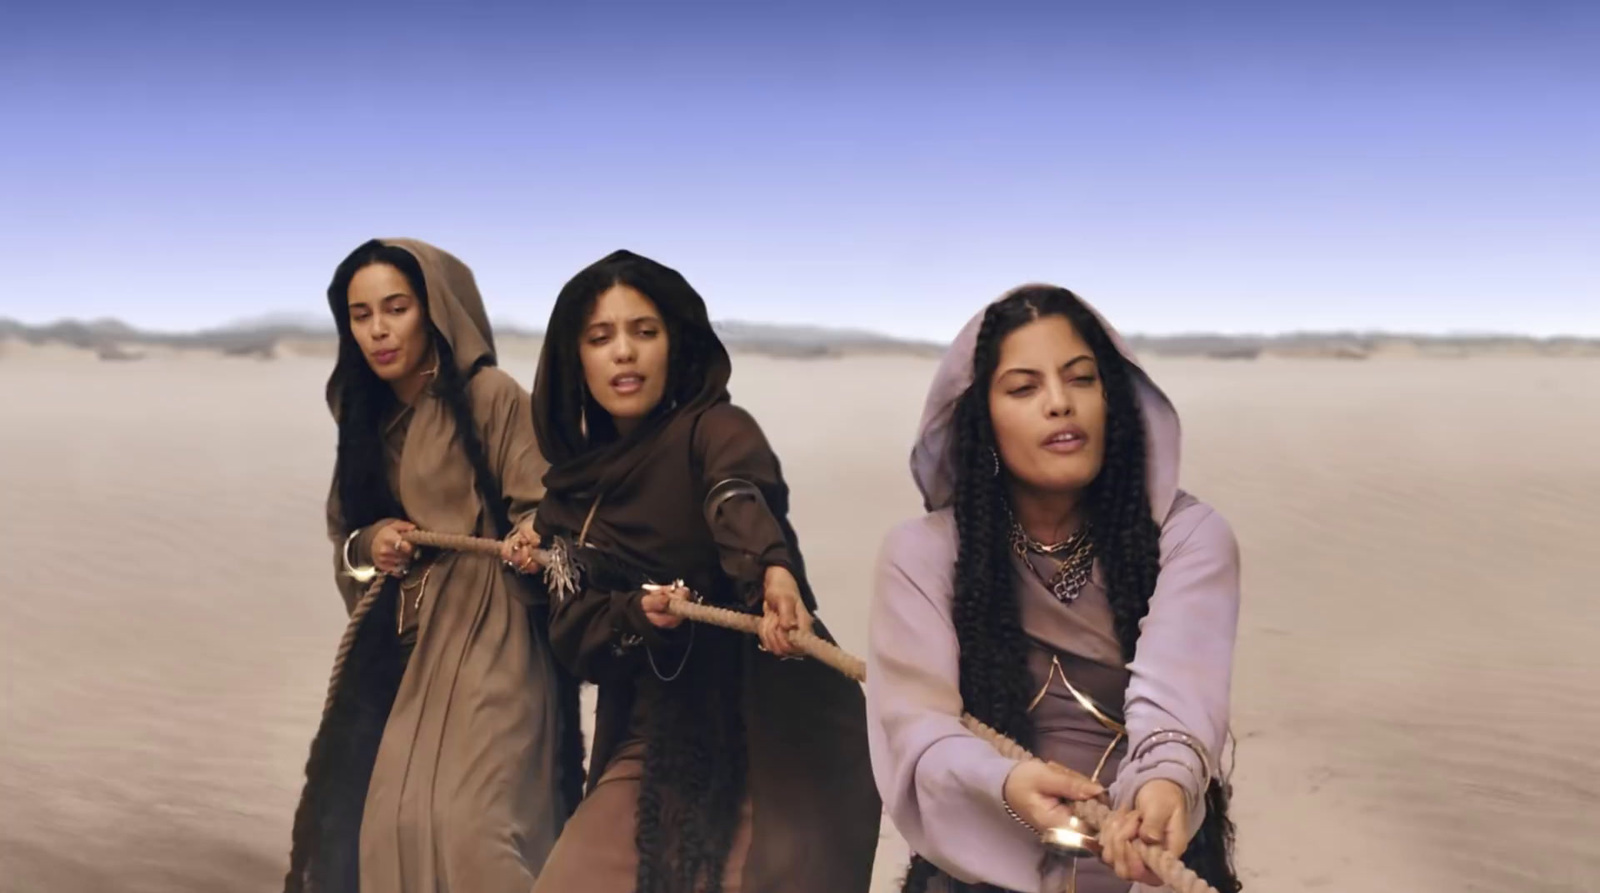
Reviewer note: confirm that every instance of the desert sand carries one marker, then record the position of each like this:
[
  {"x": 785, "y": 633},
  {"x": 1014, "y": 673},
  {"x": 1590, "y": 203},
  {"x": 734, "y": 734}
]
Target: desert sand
[{"x": 1418, "y": 660}]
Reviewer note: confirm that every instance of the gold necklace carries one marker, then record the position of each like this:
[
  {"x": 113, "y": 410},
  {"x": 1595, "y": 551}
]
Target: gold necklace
[{"x": 1075, "y": 555}]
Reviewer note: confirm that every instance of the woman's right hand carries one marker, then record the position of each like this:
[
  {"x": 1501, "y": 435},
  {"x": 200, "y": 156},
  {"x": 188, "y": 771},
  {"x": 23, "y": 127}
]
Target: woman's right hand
[
  {"x": 519, "y": 547},
  {"x": 655, "y": 602},
  {"x": 1160, "y": 816},
  {"x": 1042, "y": 792},
  {"x": 390, "y": 551}
]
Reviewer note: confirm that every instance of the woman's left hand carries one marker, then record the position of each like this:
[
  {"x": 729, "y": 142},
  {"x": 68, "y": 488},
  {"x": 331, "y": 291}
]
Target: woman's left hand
[
  {"x": 656, "y": 602},
  {"x": 519, "y": 547},
  {"x": 782, "y": 611},
  {"x": 1160, "y": 816}
]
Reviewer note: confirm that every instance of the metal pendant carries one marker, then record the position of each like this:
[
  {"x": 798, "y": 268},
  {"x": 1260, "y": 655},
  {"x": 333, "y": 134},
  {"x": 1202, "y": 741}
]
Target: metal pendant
[{"x": 562, "y": 574}]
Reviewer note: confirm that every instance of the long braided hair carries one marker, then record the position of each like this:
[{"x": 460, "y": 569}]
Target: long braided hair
[{"x": 995, "y": 683}]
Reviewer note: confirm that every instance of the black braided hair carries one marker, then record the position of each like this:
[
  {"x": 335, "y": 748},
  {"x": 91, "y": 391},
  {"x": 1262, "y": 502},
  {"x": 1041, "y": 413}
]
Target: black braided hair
[
  {"x": 695, "y": 768},
  {"x": 995, "y": 684},
  {"x": 695, "y": 760}
]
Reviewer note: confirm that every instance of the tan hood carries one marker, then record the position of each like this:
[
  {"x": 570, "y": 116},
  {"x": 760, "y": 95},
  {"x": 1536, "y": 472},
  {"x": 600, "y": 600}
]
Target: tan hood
[
  {"x": 454, "y": 305},
  {"x": 931, "y": 459}
]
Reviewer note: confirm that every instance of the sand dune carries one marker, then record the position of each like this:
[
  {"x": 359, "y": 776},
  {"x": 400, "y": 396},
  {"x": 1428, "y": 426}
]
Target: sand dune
[{"x": 1414, "y": 688}]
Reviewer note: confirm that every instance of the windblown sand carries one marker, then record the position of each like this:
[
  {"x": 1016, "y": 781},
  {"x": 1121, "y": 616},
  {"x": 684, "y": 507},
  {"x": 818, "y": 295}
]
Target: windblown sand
[{"x": 1418, "y": 661}]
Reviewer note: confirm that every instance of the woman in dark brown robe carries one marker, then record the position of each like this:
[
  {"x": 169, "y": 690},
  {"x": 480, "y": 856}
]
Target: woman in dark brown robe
[
  {"x": 449, "y": 754},
  {"x": 717, "y": 765}
]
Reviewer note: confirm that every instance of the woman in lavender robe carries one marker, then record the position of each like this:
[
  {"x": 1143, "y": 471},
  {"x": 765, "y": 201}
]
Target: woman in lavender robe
[{"x": 1065, "y": 591}]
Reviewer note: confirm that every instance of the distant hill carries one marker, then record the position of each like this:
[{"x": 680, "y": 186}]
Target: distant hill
[
  {"x": 283, "y": 320},
  {"x": 1357, "y": 345},
  {"x": 814, "y": 341},
  {"x": 113, "y": 339},
  {"x": 260, "y": 336}
]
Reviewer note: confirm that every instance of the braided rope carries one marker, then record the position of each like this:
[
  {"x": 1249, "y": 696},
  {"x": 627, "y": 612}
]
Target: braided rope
[
  {"x": 348, "y": 640},
  {"x": 810, "y": 644},
  {"x": 455, "y": 542},
  {"x": 1168, "y": 867}
]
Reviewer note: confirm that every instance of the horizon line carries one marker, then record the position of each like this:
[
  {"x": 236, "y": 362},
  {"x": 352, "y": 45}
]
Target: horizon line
[{"x": 289, "y": 323}]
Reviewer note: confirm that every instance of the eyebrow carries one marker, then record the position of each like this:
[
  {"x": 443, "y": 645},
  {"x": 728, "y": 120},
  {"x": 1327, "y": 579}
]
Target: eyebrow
[
  {"x": 398, "y": 294},
  {"x": 1067, "y": 365},
  {"x": 636, "y": 319}
]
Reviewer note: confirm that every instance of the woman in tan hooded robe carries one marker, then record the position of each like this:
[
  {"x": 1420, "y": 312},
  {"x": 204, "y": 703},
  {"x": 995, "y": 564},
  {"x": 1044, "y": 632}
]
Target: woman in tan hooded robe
[{"x": 448, "y": 757}]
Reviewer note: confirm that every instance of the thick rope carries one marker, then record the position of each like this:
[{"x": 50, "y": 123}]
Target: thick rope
[
  {"x": 348, "y": 640},
  {"x": 810, "y": 644},
  {"x": 1168, "y": 867},
  {"x": 455, "y": 542}
]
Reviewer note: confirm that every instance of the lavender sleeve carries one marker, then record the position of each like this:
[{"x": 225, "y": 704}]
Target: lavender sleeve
[
  {"x": 940, "y": 784},
  {"x": 1182, "y": 668}
]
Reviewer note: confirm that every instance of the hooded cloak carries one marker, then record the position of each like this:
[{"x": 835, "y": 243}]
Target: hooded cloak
[
  {"x": 764, "y": 754},
  {"x": 942, "y": 786},
  {"x": 441, "y": 771}
]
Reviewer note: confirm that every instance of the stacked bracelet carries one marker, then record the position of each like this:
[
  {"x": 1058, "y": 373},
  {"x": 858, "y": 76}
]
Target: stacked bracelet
[{"x": 1173, "y": 736}]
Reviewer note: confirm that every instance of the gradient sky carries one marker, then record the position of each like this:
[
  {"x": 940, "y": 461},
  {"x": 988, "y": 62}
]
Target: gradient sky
[{"x": 1238, "y": 167}]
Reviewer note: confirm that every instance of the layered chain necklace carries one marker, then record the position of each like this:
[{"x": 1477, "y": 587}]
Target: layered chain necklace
[{"x": 1074, "y": 559}]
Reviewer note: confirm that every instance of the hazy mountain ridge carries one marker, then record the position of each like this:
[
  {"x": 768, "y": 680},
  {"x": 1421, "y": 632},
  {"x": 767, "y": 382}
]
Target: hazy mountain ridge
[
  {"x": 1358, "y": 345},
  {"x": 113, "y": 339},
  {"x": 265, "y": 336}
]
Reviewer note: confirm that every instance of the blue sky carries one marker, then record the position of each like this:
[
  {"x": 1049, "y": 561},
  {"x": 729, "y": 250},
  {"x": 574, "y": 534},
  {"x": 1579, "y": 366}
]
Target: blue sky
[{"x": 1239, "y": 167}]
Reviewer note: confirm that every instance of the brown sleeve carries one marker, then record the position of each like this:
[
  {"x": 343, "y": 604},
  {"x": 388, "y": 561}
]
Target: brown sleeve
[
  {"x": 509, "y": 441},
  {"x": 600, "y": 636},
  {"x": 746, "y": 500}
]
